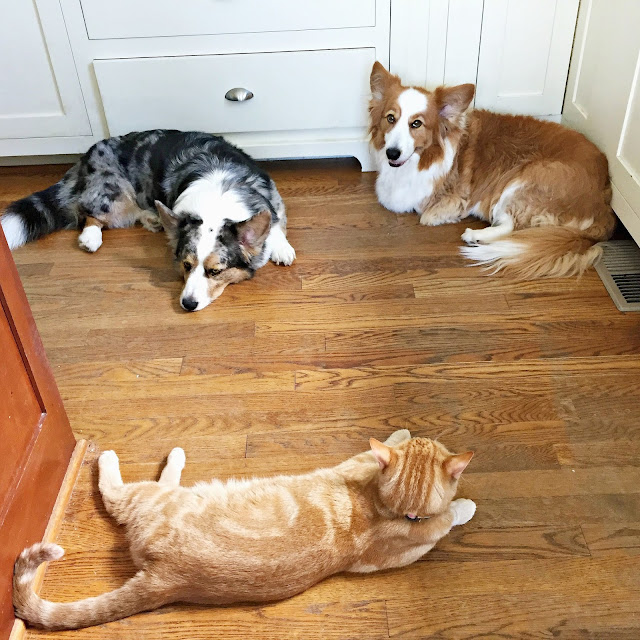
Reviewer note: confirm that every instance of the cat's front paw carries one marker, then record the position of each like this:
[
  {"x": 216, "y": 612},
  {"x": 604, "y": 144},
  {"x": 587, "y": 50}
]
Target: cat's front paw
[
  {"x": 398, "y": 437},
  {"x": 108, "y": 460},
  {"x": 463, "y": 510},
  {"x": 177, "y": 457}
]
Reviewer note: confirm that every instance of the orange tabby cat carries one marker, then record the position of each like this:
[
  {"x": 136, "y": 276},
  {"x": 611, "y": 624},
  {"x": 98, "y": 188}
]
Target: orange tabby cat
[{"x": 262, "y": 539}]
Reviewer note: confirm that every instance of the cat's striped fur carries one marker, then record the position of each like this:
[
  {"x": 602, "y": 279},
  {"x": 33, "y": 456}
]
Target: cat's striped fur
[{"x": 262, "y": 539}]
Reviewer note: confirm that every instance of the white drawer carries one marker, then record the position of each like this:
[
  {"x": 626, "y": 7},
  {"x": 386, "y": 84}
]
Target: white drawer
[
  {"x": 291, "y": 91},
  {"x": 151, "y": 18}
]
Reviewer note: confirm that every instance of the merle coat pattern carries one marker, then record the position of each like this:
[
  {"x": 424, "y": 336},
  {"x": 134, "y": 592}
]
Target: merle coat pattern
[{"x": 213, "y": 200}]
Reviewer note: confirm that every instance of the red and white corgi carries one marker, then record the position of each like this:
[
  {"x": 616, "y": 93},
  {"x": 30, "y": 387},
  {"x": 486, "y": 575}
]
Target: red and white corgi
[{"x": 543, "y": 188}]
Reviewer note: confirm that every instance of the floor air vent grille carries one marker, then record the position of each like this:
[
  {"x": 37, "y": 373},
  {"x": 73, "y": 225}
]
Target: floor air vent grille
[{"x": 619, "y": 270}]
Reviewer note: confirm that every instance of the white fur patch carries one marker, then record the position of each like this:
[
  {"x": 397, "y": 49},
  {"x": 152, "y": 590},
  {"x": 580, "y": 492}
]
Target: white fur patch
[
  {"x": 463, "y": 510},
  {"x": 402, "y": 189},
  {"x": 14, "y": 230},
  {"x": 278, "y": 247},
  {"x": 486, "y": 254},
  {"x": 90, "y": 239},
  {"x": 399, "y": 137},
  {"x": 501, "y": 221},
  {"x": 177, "y": 458}
]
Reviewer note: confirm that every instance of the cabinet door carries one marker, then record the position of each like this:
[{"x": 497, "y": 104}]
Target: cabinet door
[
  {"x": 603, "y": 95},
  {"x": 36, "y": 438},
  {"x": 40, "y": 92},
  {"x": 435, "y": 42},
  {"x": 525, "y": 48}
]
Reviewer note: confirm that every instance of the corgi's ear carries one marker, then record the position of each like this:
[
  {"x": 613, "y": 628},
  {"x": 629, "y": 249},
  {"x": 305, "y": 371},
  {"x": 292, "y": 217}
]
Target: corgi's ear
[
  {"x": 456, "y": 464},
  {"x": 454, "y": 101},
  {"x": 381, "y": 80},
  {"x": 168, "y": 218},
  {"x": 381, "y": 452},
  {"x": 253, "y": 232}
]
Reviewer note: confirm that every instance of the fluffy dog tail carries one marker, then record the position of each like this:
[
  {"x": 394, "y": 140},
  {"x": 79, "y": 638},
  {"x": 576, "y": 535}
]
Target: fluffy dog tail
[
  {"x": 538, "y": 252},
  {"x": 134, "y": 596},
  {"x": 36, "y": 216}
]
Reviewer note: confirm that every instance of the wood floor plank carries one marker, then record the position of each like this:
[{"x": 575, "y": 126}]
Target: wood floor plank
[
  {"x": 612, "y": 538},
  {"x": 379, "y": 324}
]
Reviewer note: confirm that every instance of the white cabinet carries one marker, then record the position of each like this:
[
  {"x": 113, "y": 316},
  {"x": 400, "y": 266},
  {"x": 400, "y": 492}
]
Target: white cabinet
[
  {"x": 40, "y": 92},
  {"x": 75, "y": 71},
  {"x": 145, "y": 64},
  {"x": 516, "y": 52},
  {"x": 525, "y": 48},
  {"x": 284, "y": 95},
  {"x": 153, "y": 18},
  {"x": 603, "y": 95}
]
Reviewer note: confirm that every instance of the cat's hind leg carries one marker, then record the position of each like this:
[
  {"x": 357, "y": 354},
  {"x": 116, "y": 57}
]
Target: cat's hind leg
[{"x": 173, "y": 469}]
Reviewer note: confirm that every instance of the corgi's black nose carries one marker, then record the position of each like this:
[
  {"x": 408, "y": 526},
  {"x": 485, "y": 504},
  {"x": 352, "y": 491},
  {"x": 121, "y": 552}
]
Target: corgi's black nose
[
  {"x": 189, "y": 304},
  {"x": 393, "y": 153}
]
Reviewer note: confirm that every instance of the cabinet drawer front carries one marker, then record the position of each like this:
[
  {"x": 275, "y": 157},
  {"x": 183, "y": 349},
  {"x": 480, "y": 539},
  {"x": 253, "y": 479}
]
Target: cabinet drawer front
[
  {"x": 291, "y": 91},
  {"x": 151, "y": 18}
]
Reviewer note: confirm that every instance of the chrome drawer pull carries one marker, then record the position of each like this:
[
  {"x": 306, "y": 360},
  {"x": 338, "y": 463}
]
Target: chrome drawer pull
[{"x": 238, "y": 94}]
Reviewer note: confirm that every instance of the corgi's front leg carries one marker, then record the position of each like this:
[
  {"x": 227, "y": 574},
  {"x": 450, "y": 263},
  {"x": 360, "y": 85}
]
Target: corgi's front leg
[
  {"x": 442, "y": 211},
  {"x": 280, "y": 251}
]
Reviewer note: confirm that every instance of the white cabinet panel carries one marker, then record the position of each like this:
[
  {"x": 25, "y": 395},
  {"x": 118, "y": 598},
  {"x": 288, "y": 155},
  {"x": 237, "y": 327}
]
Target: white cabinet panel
[
  {"x": 40, "y": 93},
  {"x": 603, "y": 95},
  {"x": 152, "y": 18},
  {"x": 292, "y": 90},
  {"x": 435, "y": 42},
  {"x": 524, "y": 55}
]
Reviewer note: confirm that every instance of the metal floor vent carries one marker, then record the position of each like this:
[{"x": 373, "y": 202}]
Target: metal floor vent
[{"x": 619, "y": 270}]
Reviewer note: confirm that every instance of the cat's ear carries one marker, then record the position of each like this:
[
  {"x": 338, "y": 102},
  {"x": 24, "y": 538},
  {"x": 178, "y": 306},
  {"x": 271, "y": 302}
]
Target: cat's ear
[
  {"x": 381, "y": 452},
  {"x": 168, "y": 218},
  {"x": 456, "y": 464}
]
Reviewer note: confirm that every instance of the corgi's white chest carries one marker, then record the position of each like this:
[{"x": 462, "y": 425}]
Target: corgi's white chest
[{"x": 402, "y": 189}]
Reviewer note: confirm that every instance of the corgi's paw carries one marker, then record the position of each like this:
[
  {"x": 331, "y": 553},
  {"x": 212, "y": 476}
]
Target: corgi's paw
[
  {"x": 177, "y": 458},
  {"x": 435, "y": 219},
  {"x": 282, "y": 252},
  {"x": 470, "y": 236},
  {"x": 90, "y": 239},
  {"x": 463, "y": 510}
]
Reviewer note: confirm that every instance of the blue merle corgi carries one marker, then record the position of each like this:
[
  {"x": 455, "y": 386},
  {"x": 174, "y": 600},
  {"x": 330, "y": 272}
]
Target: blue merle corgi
[{"x": 223, "y": 214}]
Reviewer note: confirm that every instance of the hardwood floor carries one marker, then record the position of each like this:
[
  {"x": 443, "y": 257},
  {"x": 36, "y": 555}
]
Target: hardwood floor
[{"x": 378, "y": 325}]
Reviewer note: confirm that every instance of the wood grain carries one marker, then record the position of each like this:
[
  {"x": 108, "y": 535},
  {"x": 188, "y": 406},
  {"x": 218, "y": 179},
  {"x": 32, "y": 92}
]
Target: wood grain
[{"x": 378, "y": 325}]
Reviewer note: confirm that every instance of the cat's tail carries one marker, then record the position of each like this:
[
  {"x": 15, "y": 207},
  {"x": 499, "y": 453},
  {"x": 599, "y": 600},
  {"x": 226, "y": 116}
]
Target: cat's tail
[
  {"x": 538, "y": 252},
  {"x": 40, "y": 213},
  {"x": 136, "y": 595}
]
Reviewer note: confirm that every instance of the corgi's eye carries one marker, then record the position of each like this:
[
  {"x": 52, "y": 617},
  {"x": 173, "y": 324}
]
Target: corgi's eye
[
  {"x": 187, "y": 266},
  {"x": 210, "y": 273},
  {"x": 391, "y": 118},
  {"x": 416, "y": 124}
]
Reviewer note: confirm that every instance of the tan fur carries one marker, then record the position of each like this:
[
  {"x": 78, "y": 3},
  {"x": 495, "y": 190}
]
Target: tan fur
[
  {"x": 93, "y": 222},
  {"x": 262, "y": 539},
  {"x": 561, "y": 203}
]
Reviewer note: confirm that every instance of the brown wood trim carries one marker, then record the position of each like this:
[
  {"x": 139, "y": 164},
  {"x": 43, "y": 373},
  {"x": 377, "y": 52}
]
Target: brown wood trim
[
  {"x": 26, "y": 505},
  {"x": 30, "y": 344},
  {"x": 55, "y": 521}
]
